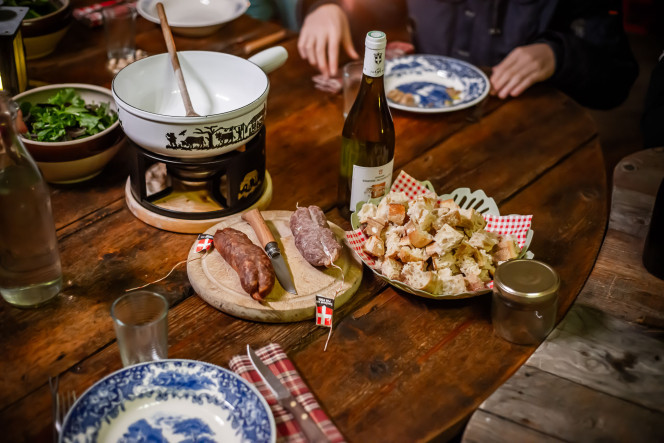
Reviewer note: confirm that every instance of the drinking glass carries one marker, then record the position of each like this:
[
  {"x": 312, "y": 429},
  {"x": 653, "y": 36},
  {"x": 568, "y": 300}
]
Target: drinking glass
[
  {"x": 351, "y": 78},
  {"x": 120, "y": 32},
  {"x": 141, "y": 326}
]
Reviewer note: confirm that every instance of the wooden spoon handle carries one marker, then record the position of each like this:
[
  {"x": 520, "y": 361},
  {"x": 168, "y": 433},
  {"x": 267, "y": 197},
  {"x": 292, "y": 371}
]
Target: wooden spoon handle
[
  {"x": 172, "y": 52},
  {"x": 257, "y": 222}
]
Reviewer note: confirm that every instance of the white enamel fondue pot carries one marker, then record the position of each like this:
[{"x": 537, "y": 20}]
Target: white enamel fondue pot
[{"x": 228, "y": 92}]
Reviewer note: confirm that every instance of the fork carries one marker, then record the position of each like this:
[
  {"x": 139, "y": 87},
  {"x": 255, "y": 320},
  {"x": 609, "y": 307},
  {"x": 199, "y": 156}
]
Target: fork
[
  {"x": 61, "y": 405},
  {"x": 64, "y": 404}
]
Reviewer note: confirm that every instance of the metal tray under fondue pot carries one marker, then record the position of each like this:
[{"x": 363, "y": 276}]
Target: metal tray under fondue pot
[{"x": 228, "y": 92}]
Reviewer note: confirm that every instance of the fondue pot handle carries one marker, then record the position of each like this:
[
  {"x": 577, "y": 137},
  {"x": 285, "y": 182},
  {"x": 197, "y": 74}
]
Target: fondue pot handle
[
  {"x": 270, "y": 59},
  {"x": 257, "y": 222}
]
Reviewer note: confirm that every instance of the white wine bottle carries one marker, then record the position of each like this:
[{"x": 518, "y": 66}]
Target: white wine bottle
[{"x": 367, "y": 150}]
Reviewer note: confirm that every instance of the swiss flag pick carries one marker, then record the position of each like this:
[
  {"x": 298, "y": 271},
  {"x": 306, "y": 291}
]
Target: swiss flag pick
[
  {"x": 324, "y": 310},
  {"x": 204, "y": 242}
]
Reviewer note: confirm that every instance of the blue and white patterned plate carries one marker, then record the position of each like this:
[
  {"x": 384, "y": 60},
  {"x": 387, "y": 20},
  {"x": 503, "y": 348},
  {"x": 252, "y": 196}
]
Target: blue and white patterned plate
[
  {"x": 170, "y": 400},
  {"x": 433, "y": 83}
]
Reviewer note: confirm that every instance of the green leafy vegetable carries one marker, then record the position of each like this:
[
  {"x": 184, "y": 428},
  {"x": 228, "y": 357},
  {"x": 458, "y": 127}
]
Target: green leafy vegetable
[
  {"x": 66, "y": 117},
  {"x": 37, "y": 7}
]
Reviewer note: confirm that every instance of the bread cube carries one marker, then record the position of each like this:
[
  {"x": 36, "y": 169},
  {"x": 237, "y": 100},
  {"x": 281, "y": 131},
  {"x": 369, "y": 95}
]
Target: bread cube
[
  {"x": 374, "y": 227},
  {"x": 445, "y": 261},
  {"x": 485, "y": 275},
  {"x": 396, "y": 213},
  {"x": 407, "y": 254},
  {"x": 399, "y": 198},
  {"x": 367, "y": 211},
  {"x": 392, "y": 242},
  {"x": 451, "y": 285},
  {"x": 474, "y": 283},
  {"x": 391, "y": 269},
  {"x": 416, "y": 275},
  {"x": 484, "y": 261},
  {"x": 382, "y": 210},
  {"x": 448, "y": 238},
  {"x": 506, "y": 249},
  {"x": 446, "y": 216},
  {"x": 468, "y": 266},
  {"x": 374, "y": 246},
  {"x": 421, "y": 209},
  {"x": 419, "y": 238},
  {"x": 483, "y": 240},
  {"x": 471, "y": 220}
]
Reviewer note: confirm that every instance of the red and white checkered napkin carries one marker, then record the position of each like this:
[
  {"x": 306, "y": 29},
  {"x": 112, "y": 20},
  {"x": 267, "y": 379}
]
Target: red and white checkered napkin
[
  {"x": 91, "y": 15},
  {"x": 516, "y": 225},
  {"x": 279, "y": 363},
  {"x": 407, "y": 184}
]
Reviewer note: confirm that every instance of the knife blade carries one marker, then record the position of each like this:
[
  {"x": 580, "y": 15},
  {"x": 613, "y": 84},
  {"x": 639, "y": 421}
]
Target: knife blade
[
  {"x": 265, "y": 237},
  {"x": 309, "y": 428}
]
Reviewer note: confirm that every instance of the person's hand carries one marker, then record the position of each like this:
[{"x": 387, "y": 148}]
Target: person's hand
[
  {"x": 322, "y": 33},
  {"x": 523, "y": 67}
]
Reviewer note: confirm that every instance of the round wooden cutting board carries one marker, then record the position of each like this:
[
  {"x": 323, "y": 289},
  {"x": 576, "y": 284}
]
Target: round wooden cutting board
[{"x": 218, "y": 284}]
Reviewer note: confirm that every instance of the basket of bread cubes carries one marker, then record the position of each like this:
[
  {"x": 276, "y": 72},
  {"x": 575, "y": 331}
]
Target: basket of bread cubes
[{"x": 445, "y": 246}]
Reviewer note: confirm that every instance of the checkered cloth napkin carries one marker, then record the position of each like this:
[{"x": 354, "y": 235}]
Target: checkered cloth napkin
[
  {"x": 516, "y": 225},
  {"x": 279, "y": 363},
  {"x": 91, "y": 15}
]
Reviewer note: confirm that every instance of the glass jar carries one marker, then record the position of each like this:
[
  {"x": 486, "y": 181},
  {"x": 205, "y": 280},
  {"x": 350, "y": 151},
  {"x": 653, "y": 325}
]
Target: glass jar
[{"x": 525, "y": 301}]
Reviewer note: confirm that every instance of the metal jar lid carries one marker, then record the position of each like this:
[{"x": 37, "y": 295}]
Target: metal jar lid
[{"x": 526, "y": 281}]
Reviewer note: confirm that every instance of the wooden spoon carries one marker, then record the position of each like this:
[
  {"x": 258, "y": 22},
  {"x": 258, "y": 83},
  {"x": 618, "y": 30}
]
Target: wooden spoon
[{"x": 170, "y": 44}]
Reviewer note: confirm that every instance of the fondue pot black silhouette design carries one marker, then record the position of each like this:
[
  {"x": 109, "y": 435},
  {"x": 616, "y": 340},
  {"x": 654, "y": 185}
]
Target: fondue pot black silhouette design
[{"x": 191, "y": 171}]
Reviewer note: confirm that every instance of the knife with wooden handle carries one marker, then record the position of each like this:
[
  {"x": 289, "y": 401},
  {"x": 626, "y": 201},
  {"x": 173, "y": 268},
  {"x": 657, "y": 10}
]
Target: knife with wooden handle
[
  {"x": 260, "y": 43},
  {"x": 266, "y": 239},
  {"x": 309, "y": 427}
]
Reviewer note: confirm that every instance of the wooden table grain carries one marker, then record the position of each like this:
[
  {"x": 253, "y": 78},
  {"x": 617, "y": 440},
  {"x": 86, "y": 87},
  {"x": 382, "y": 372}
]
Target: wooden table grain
[
  {"x": 398, "y": 367},
  {"x": 599, "y": 376}
]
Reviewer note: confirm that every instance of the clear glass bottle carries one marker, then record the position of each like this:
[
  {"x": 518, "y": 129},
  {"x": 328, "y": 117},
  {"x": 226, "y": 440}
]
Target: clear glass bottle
[
  {"x": 367, "y": 150},
  {"x": 30, "y": 272}
]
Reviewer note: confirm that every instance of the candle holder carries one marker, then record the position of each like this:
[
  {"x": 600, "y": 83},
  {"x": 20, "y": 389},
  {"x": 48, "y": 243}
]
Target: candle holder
[{"x": 13, "y": 73}]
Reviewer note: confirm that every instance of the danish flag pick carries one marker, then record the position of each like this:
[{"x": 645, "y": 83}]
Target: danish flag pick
[
  {"x": 204, "y": 242},
  {"x": 324, "y": 310}
]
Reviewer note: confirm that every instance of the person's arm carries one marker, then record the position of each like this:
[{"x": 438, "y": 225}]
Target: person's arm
[
  {"x": 594, "y": 62},
  {"x": 325, "y": 28}
]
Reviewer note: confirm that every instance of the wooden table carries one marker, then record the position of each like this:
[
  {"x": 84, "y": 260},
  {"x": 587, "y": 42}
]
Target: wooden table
[
  {"x": 598, "y": 376},
  {"x": 398, "y": 367}
]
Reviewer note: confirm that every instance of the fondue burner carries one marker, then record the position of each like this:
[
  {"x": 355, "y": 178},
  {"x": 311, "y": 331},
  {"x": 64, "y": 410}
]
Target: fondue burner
[{"x": 189, "y": 195}]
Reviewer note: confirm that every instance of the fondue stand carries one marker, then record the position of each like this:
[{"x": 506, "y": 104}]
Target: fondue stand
[
  {"x": 192, "y": 170},
  {"x": 188, "y": 195}
]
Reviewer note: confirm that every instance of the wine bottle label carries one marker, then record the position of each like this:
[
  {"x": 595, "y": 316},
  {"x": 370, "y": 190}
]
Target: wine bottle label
[
  {"x": 372, "y": 182},
  {"x": 374, "y": 62}
]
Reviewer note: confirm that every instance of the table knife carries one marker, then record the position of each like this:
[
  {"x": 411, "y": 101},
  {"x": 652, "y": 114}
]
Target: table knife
[
  {"x": 255, "y": 219},
  {"x": 309, "y": 428}
]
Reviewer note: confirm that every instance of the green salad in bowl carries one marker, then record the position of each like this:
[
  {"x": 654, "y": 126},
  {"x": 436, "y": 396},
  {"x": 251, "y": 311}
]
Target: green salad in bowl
[
  {"x": 65, "y": 116},
  {"x": 38, "y": 8},
  {"x": 72, "y": 130}
]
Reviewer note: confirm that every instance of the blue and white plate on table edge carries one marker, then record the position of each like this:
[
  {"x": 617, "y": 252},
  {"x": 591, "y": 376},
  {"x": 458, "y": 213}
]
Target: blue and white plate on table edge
[
  {"x": 433, "y": 83},
  {"x": 170, "y": 401}
]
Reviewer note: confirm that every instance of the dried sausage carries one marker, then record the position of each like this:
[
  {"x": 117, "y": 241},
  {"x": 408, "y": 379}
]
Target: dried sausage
[
  {"x": 247, "y": 259},
  {"x": 313, "y": 237}
]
